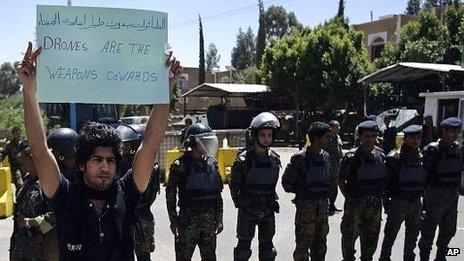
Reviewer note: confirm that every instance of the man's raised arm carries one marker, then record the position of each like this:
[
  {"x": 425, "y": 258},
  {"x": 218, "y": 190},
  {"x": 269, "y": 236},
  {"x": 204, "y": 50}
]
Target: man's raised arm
[
  {"x": 154, "y": 132},
  {"x": 46, "y": 166}
]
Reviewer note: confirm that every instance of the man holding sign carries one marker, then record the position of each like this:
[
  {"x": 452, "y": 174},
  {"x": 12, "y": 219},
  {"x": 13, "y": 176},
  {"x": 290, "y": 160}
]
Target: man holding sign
[{"x": 93, "y": 216}]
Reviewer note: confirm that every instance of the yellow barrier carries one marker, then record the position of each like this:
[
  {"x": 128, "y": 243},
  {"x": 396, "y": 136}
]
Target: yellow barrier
[
  {"x": 6, "y": 195},
  {"x": 5, "y": 162},
  {"x": 226, "y": 157},
  {"x": 170, "y": 157}
]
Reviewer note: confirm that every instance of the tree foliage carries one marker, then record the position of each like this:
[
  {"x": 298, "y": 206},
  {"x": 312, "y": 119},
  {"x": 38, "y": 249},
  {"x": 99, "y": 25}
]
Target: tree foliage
[
  {"x": 212, "y": 57},
  {"x": 318, "y": 68},
  {"x": 201, "y": 76},
  {"x": 261, "y": 38},
  {"x": 413, "y": 7},
  {"x": 424, "y": 40},
  {"x": 244, "y": 52},
  {"x": 279, "y": 22},
  {"x": 9, "y": 80},
  {"x": 12, "y": 113}
]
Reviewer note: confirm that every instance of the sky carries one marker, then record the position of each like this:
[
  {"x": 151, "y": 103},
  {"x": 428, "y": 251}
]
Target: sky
[{"x": 221, "y": 20}]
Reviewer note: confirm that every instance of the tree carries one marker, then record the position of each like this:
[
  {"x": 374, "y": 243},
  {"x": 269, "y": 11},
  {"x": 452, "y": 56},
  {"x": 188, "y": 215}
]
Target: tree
[
  {"x": 261, "y": 40},
  {"x": 454, "y": 16},
  {"x": 318, "y": 69},
  {"x": 201, "y": 70},
  {"x": 279, "y": 22},
  {"x": 413, "y": 7},
  {"x": 244, "y": 53},
  {"x": 341, "y": 8},
  {"x": 249, "y": 75},
  {"x": 9, "y": 81},
  {"x": 212, "y": 57},
  {"x": 12, "y": 113}
]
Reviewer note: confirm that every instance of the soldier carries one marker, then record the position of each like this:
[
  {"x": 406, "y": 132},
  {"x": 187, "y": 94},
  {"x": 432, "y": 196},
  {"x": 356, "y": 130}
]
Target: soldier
[
  {"x": 11, "y": 150},
  {"x": 130, "y": 141},
  {"x": 308, "y": 175},
  {"x": 34, "y": 236},
  {"x": 62, "y": 142},
  {"x": 404, "y": 190},
  {"x": 443, "y": 163},
  {"x": 252, "y": 186},
  {"x": 362, "y": 176},
  {"x": 335, "y": 151},
  {"x": 196, "y": 177},
  {"x": 144, "y": 227}
]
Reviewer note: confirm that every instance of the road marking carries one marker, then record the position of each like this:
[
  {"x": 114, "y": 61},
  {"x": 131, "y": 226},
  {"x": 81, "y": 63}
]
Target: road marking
[{"x": 460, "y": 228}]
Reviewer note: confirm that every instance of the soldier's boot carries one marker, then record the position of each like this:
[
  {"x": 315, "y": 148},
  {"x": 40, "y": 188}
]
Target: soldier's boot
[
  {"x": 143, "y": 257},
  {"x": 243, "y": 251},
  {"x": 267, "y": 252}
]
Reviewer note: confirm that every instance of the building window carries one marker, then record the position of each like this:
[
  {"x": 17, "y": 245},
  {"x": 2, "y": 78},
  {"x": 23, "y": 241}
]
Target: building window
[{"x": 377, "y": 47}]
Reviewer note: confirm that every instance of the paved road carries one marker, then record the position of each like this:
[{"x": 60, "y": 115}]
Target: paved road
[{"x": 284, "y": 239}]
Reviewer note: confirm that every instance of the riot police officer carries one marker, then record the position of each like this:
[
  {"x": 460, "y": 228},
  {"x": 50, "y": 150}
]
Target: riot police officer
[
  {"x": 309, "y": 176},
  {"x": 144, "y": 227},
  {"x": 253, "y": 181},
  {"x": 195, "y": 178},
  {"x": 362, "y": 177},
  {"x": 443, "y": 163},
  {"x": 34, "y": 234},
  {"x": 403, "y": 196},
  {"x": 130, "y": 142},
  {"x": 62, "y": 142}
]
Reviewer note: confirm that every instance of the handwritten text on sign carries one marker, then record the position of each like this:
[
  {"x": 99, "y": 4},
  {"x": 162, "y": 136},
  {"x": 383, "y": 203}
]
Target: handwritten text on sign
[{"x": 101, "y": 55}]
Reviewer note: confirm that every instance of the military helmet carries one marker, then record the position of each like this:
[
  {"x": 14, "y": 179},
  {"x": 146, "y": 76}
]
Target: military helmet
[
  {"x": 62, "y": 140},
  {"x": 139, "y": 128},
  {"x": 128, "y": 133},
  {"x": 202, "y": 138},
  {"x": 264, "y": 120}
]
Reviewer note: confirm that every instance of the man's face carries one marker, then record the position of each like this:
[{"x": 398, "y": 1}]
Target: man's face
[
  {"x": 335, "y": 129},
  {"x": 413, "y": 140},
  {"x": 17, "y": 135},
  {"x": 265, "y": 137},
  {"x": 324, "y": 140},
  {"x": 100, "y": 170},
  {"x": 450, "y": 134},
  {"x": 368, "y": 139}
]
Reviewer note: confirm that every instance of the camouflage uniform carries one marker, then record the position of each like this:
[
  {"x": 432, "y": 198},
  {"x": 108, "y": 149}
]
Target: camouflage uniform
[
  {"x": 403, "y": 204},
  {"x": 335, "y": 151},
  {"x": 144, "y": 227},
  {"x": 309, "y": 176},
  {"x": 11, "y": 149},
  {"x": 364, "y": 175},
  {"x": 34, "y": 243},
  {"x": 252, "y": 186},
  {"x": 200, "y": 203},
  {"x": 444, "y": 166}
]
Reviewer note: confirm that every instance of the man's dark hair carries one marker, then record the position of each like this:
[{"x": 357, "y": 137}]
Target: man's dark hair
[
  {"x": 317, "y": 130},
  {"x": 93, "y": 135}
]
